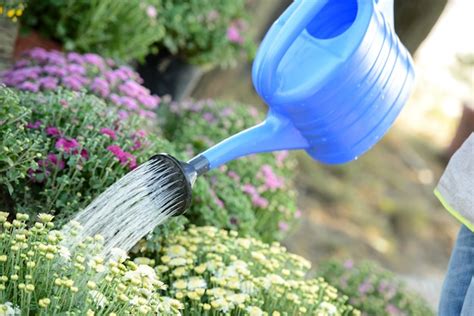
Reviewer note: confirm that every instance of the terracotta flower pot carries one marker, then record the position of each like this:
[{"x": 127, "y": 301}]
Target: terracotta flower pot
[{"x": 25, "y": 42}]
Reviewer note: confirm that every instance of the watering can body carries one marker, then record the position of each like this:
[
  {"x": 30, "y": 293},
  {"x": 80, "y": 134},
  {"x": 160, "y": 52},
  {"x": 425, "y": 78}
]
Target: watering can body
[
  {"x": 334, "y": 75},
  {"x": 338, "y": 72}
]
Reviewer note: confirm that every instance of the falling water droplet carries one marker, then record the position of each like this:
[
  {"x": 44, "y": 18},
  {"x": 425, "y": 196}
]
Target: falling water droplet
[{"x": 131, "y": 208}]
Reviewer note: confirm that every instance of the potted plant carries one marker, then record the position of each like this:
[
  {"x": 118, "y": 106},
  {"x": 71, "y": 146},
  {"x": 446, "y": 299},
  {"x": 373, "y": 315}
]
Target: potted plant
[
  {"x": 9, "y": 13},
  {"x": 123, "y": 30},
  {"x": 198, "y": 36}
]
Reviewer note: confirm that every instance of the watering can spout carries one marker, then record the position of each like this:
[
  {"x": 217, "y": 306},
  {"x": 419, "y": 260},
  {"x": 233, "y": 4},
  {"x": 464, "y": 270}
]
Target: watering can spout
[{"x": 273, "y": 134}]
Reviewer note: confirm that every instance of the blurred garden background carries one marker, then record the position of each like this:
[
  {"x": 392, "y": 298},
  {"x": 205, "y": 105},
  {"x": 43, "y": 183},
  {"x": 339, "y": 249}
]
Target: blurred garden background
[{"x": 177, "y": 74}]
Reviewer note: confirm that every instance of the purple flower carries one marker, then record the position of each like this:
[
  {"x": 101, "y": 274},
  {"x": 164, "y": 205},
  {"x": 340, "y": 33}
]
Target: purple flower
[
  {"x": 283, "y": 226},
  {"x": 21, "y": 63},
  {"x": 249, "y": 189},
  {"x": 149, "y": 101},
  {"x": 151, "y": 11},
  {"x": 26, "y": 73},
  {"x": 67, "y": 145},
  {"x": 272, "y": 181},
  {"x": 147, "y": 114},
  {"x": 55, "y": 161},
  {"x": 216, "y": 199},
  {"x": 365, "y": 287},
  {"x": 348, "y": 264},
  {"x": 123, "y": 115},
  {"x": 140, "y": 133},
  {"x": 111, "y": 77},
  {"x": 233, "y": 176},
  {"x": 101, "y": 87},
  {"x": 93, "y": 59},
  {"x": 47, "y": 70},
  {"x": 298, "y": 213},
  {"x": 259, "y": 201},
  {"x": 233, "y": 34},
  {"x": 48, "y": 83},
  {"x": 114, "y": 99},
  {"x": 130, "y": 74},
  {"x": 280, "y": 157},
  {"x": 54, "y": 70},
  {"x": 123, "y": 156},
  {"x": 73, "y": 83},
  {"x": 34, "y": 125},
  {"x": 129, "y": 103},
  {"x": 393, "y": 310},
  {"x": 52, "y": 131},
  {"x": 39, "y": 54},
  {"x": 84, "y": 154},
  {"x": 109, "y": 132},
  {"x": 56, "y": 58},
  {"x": 227, "y": 112},
  {"x": 253, "y": 112},
  {"x": 110, "y": 62},
  {"x": 133, "y": 89},
  {"x": 137, "y": 144},
  {"x": 29, "y": 86},
  {"x": 209, "y": 117},
  {"x": 75, "y": 58},
  {"x": 76, "y": 69}
]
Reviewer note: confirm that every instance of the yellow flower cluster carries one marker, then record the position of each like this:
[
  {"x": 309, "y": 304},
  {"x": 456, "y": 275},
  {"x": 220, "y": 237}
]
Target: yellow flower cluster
[
  {"x": 215, "y": 271},
  {"x": 13, "y": 12},
  {"x": 40, "y": 276}
]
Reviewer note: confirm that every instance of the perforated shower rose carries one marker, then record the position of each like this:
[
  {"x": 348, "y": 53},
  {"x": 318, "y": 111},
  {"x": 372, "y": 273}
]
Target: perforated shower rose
[{"x": 42, "y": 70}]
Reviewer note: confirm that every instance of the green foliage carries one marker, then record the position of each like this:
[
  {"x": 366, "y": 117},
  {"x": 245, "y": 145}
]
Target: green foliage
[
  {"x": 55, "y": 155},
  {"x": 118, "y": 29},
  {"x": 253, "y": 195},
  {"x": 373, "y": 290},
  {"x": 206, "y": 31},
  {"x": 214, "y": 271},
  {"x": 40, "y": 276}
]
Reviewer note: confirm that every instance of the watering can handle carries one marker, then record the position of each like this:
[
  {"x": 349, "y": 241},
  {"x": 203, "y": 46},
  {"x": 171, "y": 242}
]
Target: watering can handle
[{"x": 292, "y": 26}]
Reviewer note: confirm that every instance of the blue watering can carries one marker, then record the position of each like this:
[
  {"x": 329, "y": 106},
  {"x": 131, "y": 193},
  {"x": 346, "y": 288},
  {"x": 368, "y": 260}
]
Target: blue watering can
[{"x": 335, "y": 77}]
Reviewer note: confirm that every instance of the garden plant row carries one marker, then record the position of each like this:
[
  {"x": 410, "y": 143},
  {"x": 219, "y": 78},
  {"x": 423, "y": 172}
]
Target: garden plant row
[{"x": 72, "y": 124}]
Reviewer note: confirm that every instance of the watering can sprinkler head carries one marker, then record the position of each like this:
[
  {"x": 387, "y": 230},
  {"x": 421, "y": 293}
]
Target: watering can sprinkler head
[
  {"x": 335, "y": 77},
  {"x": 183, "y": 175}
]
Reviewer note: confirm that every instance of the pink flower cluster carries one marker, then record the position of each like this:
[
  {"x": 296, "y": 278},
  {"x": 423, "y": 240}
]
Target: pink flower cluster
[
  {"x": 272, "y": 181},
  {"x": 55, "y": 161},
  {"x": 42, "y": 70},
  {"x": 124, "y": 157},
  {"x": 234, "y": 32},
  {"x": 257, "y": 199}
]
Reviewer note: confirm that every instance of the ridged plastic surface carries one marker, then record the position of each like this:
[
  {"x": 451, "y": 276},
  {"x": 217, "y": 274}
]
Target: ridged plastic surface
[{"x": 335, "y": 77}]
